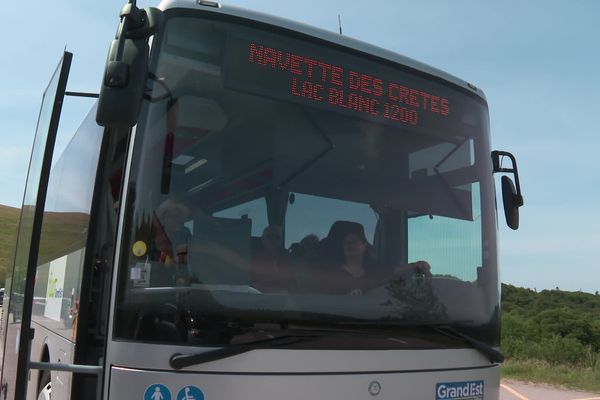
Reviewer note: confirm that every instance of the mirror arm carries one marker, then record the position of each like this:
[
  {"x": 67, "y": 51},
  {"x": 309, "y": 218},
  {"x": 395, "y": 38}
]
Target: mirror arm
[
  {"x": 131, "y": 17},
  {"x": 126, "y": 70},
  {"x": 497, "y": 167},
  {"x": 134, "y": 16},
  {"x": 135, "y": 24}
]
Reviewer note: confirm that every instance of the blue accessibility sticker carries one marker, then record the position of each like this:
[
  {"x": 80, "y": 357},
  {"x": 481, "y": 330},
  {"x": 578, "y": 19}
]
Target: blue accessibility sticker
[
  {"x": 470, "y": 390},
  {"x": 190, "y": 393},
  {"x": 157, "y": 392}
]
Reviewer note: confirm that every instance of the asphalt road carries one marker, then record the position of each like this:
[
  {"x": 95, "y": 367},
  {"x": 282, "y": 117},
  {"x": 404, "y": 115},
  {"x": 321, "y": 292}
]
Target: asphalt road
[{"x": 512, "y": 390}]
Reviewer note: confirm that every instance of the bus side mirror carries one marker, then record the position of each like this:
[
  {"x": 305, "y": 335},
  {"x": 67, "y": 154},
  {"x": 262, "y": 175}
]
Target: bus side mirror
[
  {"x": 126, "y": 69},
  {"x": 123, "y": 84},
  {"x": 509, "y": 198},
  {"x": 511, "y": 195}
]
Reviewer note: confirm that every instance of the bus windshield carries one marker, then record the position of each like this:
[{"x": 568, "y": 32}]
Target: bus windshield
[{"x": 279, "y": 179}]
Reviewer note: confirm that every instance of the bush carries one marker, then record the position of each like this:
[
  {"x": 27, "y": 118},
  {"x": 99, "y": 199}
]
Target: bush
[
  {"x": 516, "y": 326},
  {"x": 553, "y": 326},
  {"x": 553, "y": 349},
  {"x": 564, "y": 350},
  {"x": 552, "y": 336}
]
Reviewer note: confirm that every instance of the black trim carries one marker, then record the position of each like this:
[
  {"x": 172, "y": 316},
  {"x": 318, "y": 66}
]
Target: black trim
[
  {"x": 26, "y": 334},
  {"x": 219, "y": 16},
  {"x": 441, "y": 346},
  {"x": 90, "y": 254},
  {"x": 111, "y": 141},
  {"x": 82, "y": 345},
  {"x": 408, "y": 371},
  {"x": 82, "y": 94}
]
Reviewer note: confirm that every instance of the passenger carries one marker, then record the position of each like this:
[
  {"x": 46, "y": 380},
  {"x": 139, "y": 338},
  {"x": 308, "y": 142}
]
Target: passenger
[
  {"x": 172, "y": 236},
  {"x": 307, "y": 264},
  {"x": 307, "y": 250},
  {"x": 171, "y": 239},
  {"x": 272, "y": 270}
]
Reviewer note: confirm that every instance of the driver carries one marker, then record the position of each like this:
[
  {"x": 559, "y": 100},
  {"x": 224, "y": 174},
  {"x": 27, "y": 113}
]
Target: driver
[{"x": 357, "y": 270}]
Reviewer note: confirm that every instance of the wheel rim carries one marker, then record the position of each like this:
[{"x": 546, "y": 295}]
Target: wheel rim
[{"x": 45, "y": 392}]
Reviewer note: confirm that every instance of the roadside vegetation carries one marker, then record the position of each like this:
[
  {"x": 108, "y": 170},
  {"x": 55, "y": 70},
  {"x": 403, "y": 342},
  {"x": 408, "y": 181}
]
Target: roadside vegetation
[
  {"x": 9, "y": 218},
  {"x": 552, "y": 336}
]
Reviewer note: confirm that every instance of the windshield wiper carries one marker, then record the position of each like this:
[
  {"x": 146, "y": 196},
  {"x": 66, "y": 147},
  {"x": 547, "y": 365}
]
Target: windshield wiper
[
  {"x": 491, "y": 353},
  {"x": 442, "y": 327},
  {"x": 178, "y": 360}
]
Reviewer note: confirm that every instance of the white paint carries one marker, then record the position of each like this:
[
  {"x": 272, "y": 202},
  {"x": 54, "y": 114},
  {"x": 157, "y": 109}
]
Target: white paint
[{"x": 55, "y": 289}]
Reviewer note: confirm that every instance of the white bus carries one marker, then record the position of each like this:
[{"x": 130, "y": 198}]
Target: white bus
[{"x": 258, "y": 209}]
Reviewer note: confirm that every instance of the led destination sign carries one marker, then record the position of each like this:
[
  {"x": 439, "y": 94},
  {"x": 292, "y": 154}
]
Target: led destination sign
[{"x": 281, "y": 73}]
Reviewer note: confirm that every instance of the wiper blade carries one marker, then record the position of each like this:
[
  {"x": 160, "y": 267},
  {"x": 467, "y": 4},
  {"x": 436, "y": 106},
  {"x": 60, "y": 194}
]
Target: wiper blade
[
  {"x": 445, "y": 329},
  {"x": 178, "y": 360},
  {"x": 491, "y": 353}
]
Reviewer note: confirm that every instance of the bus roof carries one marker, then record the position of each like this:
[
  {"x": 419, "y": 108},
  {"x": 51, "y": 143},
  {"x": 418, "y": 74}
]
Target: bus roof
[{"x": 332, "y": 37}]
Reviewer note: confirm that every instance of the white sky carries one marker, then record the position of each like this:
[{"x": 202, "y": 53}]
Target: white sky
[{"x": 537, "y": 61}]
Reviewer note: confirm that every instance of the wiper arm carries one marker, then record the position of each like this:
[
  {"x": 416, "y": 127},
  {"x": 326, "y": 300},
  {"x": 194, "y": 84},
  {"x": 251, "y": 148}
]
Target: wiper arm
[
  {"x": 441, "y": 327},
  {"x": 492, "y": 354},
  {"x": 178, "y": 360}
]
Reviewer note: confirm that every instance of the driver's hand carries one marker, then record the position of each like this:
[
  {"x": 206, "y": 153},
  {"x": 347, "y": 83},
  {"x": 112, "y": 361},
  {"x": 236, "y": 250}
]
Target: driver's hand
[{"x": 422, "y": 267}]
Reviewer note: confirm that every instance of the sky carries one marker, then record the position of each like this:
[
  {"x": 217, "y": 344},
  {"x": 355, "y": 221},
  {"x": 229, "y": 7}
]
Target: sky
[{"x": 538, "y": 63}]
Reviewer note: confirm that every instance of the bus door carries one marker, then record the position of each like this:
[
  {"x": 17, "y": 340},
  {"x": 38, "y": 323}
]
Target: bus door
[{"x": 16, "y": 319}]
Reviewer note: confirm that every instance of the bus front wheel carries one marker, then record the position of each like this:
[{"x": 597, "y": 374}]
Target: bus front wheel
[{"x": 45, "y": 388}]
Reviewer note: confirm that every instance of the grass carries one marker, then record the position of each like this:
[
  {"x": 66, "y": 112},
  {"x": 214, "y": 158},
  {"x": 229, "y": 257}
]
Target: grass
[
  {"x": 61, "y": 232},
  {"x": 572, "y": 377},
  {"x": 9, "y": 219}
]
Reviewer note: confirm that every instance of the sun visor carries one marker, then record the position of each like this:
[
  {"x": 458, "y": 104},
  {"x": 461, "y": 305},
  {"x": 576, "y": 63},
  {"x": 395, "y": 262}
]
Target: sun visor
[{"x": 199, "y": 114}]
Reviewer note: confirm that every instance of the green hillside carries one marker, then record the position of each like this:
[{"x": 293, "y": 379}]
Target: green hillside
[
  {"x": 541, "y": 321},
  {"x": 552, "y": 336},
  {"x": 61, "y": 233},
  {"x": 9, "y": 218}
]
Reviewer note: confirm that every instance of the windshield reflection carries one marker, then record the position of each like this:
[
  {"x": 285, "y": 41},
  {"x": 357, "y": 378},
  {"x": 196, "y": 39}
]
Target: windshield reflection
[{"x": 247, "y": 207}]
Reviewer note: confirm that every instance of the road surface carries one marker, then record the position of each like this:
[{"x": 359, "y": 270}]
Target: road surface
[{"x": 512, "y": 390}]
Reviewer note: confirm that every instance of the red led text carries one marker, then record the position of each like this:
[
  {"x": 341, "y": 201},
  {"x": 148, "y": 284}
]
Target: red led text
[{"x": 323, "y": 82}]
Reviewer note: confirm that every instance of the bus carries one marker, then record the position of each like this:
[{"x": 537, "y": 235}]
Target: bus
[{"x": 256, "y": 208}]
